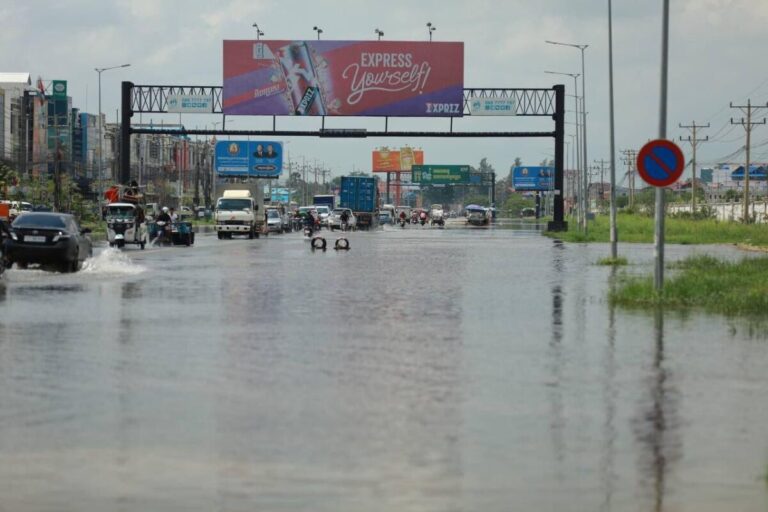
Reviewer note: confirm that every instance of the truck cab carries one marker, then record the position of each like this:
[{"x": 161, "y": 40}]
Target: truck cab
[{"x": 237, "y": 213}]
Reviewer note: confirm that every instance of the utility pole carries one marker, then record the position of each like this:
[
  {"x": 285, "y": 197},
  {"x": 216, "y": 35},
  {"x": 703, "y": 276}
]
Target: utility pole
[
  {"x": 748, "y": 110},
  {"x": 694, "y": 142},
  {"x": 630, "y": 158},
  {"x": 602, "y": 163}
]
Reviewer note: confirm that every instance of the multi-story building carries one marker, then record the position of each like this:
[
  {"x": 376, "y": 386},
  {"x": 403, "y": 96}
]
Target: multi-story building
[{"x": 12, "y": 87}]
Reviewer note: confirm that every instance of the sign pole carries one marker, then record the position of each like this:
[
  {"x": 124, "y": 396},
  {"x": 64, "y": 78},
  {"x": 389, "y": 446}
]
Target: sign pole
[{"x": 658, "y": 239}]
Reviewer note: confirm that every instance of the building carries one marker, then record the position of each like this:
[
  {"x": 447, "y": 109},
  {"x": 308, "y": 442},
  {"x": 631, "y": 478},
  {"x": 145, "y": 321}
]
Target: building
[{"x": 12, "y": 87}]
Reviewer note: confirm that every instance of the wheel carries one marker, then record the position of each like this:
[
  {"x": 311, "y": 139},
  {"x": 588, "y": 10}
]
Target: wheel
[
  {"x": 251, "y": 233},
  {"x": 21, "y": 265},
  {"x": 256, "y": 234},
  {"x": 111, "y": 244},
  {"x": 188, "y": 240},
  {"x": 141, "y": 244},
  {"x": 193, "y": 237},
  {"x": 220, "y": 235}
]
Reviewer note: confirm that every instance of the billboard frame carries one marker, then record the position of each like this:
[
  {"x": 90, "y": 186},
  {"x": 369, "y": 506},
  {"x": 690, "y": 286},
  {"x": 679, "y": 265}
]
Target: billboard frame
[{"x": 530, "y": 102}]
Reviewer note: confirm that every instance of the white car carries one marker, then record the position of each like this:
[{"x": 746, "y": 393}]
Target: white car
[
  {"x": 324, "y": 212},
  {"x": 335, "y": 219}
]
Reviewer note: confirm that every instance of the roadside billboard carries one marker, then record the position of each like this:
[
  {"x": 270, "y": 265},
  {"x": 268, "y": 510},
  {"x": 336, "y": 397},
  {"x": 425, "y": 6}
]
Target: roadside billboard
[
  {"x": 189, "y": 103},
  {"x": 440, "y": 174},
  {"x": 533, "y": 178},
  {"x": 385, "y": 160},
  {"x": 257, "y": 159},
  {"x": 343, "y": 78}
]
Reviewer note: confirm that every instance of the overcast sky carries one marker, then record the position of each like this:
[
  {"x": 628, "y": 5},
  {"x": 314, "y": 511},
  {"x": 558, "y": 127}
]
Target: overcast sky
[{"x": 717, "y": 55}]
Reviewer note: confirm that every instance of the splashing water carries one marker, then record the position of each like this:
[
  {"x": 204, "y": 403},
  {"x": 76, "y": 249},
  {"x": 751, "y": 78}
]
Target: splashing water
[{"x": 111, "y": 262}]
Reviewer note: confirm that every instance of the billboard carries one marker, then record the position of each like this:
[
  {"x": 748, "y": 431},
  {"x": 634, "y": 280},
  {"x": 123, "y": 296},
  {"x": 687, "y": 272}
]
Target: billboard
[
  {"x": 343, "y": 78},
  {"x": 492, "y": 106},
  {"x": 533, "y": 178},
  {"x": 440, "y": 174},
  {"x": 396, "y": 160},
  {"x": 257, "y": 159},
  {"x": 59, "y": 89},
  {"x": 189, "y": 103}
]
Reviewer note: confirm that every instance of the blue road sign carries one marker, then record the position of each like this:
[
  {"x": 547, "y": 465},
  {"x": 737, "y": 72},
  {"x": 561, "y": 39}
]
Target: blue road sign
[{"x": 660, "y": 163}]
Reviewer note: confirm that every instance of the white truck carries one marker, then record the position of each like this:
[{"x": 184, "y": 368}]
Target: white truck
[{"x": 238, "y": 213}]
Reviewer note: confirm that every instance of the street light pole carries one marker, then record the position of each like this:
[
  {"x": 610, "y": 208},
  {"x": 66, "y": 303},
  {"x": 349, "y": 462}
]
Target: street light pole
[
  {"x": 258, "y": 31},
  {"x": 318, "y": 30},
  {"x": 614, "y": 231},
  {"x": 378, "y": 33},
  {"x": 581, "y": 47},
  {"x": 575, "y": 76},
  {"x": 430, "y": 29},
  {"x": 101, "y": 136}
]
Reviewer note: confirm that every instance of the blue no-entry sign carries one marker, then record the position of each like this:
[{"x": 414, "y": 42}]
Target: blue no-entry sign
[{"x": 660, "y": 163}]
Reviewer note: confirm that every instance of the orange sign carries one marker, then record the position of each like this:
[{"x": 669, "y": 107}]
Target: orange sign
[{"x": 396, "y": 160}]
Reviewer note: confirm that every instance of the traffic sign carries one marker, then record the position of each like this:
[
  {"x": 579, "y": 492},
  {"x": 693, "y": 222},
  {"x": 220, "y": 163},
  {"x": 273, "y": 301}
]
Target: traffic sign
[{"x": 660, "y": 163}]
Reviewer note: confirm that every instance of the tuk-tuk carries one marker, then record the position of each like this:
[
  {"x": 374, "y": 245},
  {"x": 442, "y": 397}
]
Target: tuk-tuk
[
  {"x": 181, "y": 230},
  {"x": 125, "y": 225}
]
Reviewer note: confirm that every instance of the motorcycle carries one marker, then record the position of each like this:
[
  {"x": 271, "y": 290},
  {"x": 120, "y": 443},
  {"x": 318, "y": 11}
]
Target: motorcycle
[
  {"x": 402, "y": 222},
  {"x": 163, "y": 233},
  {"x": 423, "y": 219},
  {"x": 308, "y": 231}
]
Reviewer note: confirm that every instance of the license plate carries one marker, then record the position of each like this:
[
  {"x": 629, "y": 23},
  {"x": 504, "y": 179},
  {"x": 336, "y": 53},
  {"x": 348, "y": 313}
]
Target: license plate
[{"x": 35, "y": 239}]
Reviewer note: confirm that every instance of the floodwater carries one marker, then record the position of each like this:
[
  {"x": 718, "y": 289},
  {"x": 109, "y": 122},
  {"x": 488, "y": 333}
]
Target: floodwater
[{"x": 423, "y": 370}]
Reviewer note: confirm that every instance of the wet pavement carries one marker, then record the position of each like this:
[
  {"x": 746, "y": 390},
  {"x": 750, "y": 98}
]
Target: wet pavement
[{"x": 423, "y": 370}]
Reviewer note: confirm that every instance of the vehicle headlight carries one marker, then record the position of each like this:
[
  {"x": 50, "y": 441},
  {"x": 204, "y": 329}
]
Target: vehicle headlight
[
  {"x": 14, "y": 235},
  {"x": 60, "y": 236}
]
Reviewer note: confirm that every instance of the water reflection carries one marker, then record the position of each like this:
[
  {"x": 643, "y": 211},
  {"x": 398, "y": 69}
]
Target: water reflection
[
  {"x": 656, "y": 425},
  {"x": 555, "y": 391},
  {"x": 609, "y": 392}
]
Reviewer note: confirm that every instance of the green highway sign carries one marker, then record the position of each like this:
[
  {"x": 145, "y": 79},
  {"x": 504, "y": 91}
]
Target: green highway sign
[{"x": 440, "y": 174}]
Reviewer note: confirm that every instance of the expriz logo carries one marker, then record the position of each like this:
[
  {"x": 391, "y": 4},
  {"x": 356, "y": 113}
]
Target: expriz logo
[{"x": 443, "y": 108}]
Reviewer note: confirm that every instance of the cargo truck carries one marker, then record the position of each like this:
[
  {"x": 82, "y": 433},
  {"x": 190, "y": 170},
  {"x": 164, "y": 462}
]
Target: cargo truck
[
  {"x": 359, "y": 194},
  {"x": 238, "y": 213}
]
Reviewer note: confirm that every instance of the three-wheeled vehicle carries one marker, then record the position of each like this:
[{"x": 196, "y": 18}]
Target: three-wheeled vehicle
[
  {"x": 125, "y": 225},
  {"x": 181, "y": 230},
  {"x": 178, "y": 233},
  {"x": 478, "y": 215}
]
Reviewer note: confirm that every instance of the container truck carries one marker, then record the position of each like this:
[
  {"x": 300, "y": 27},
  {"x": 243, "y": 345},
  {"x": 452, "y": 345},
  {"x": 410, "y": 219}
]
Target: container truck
[{"x": 359, "y": 194}]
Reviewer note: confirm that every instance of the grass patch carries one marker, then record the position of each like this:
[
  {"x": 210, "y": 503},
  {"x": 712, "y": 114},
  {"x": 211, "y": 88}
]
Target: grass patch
[
  {"x": 732, "y": 288},
  {"x": 639, "y": 229},
  {"x": 612, "y": 262}
]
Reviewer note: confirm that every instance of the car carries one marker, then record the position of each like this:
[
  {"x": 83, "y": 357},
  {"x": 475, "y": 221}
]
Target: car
[
  {"x": 47, "y": 239},
  {"x": 324, "y": 212},
  {"x": 274, "y": 221},
  {"x": 334, "y": 221}
]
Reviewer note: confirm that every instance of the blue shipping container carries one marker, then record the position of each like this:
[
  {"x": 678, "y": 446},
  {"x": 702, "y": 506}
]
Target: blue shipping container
[{"x": 358, "y": 193}]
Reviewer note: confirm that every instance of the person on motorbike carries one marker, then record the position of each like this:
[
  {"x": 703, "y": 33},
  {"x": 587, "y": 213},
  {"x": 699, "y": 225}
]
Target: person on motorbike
[
  {"x": 423, "y": 217},
  {"x": 309, "y": 223},
  {"x": 344, "y": 220},
  {"x": 164, "y": 228},
  {"x": 402, "y": 219}
]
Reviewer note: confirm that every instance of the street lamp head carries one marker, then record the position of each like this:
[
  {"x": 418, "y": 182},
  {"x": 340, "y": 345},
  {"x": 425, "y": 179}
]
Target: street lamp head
[
  {"x": 429, "y": 23},
  {"x": 125, "y": 65}
]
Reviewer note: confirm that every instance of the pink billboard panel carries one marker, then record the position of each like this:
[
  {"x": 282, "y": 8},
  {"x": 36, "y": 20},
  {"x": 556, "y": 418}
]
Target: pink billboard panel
[{"x": 343, "y": 78}]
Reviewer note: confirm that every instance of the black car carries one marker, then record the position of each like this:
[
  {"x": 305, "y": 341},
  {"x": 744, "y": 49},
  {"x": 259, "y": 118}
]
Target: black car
[{"x": 48, "y": 239}]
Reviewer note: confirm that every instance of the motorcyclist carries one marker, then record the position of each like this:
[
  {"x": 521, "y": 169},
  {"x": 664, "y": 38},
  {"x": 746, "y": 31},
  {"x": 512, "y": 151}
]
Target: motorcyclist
[
  {"x": 309, "y": 222},
  {"x": 402, "y": 218},
  {"x": 166, "y": 218},
  {"x": 423, "y": 217},
  {"x": 344, "y": 220}
]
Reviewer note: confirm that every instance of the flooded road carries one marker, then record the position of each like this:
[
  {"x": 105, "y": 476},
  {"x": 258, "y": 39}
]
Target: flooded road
[{"x": 423, "y": 370}]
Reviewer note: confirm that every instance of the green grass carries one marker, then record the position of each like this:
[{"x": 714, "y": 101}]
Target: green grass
[
  {"x": 612, "y": 261},
  {"x": 733, "y": 288},
  {"x": 638, "y": 228}
]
